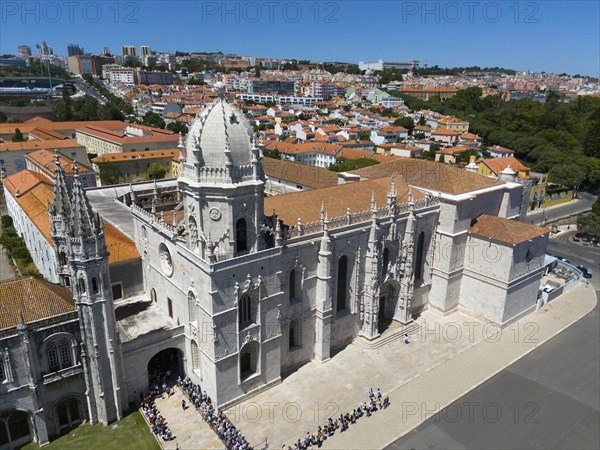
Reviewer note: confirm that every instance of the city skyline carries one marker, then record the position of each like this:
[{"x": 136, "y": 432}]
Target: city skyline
[{"x": 520, "y": 35}]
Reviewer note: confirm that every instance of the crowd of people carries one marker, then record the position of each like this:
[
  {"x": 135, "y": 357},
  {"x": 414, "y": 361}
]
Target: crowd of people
[
  {"x": 157, "y": 422},
  {"x": 227, "y": 432},
  {"x": 375, "y": 403}
]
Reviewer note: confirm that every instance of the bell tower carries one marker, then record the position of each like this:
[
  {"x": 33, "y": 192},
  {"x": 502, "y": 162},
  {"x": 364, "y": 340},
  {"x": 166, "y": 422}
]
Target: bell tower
[
  {"x": 222, "y": 182},
  {"x": 77, "y": 230}
]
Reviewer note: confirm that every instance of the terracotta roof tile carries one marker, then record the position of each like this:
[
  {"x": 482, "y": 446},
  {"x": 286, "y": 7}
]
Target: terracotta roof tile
[
  {"x": 33, "y": 299},
  {"x": 430, "y": 175},
  {"x": 505, "y": 230},
  {"x": 314, "y": 177},
  {"x": 336, "y": 200}
]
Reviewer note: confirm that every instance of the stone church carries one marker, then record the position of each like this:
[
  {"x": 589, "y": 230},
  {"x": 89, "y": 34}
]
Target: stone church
[{"x": 234, "y": 289}]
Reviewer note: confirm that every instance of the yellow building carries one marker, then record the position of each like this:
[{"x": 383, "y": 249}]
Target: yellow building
[{"x": 130, "y": 167}]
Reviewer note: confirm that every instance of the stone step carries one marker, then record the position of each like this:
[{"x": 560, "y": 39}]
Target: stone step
[{"x": 388, "y": 337}]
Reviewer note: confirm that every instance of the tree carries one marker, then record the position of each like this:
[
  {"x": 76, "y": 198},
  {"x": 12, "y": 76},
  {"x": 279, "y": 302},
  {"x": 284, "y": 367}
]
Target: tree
[
  {"x": 589, "y": 223},
  {"x": 591, "y": 143},
  {"x": 422, "y": 121},
  {"x": 346, "y": 165},
  {"x": 156, "y": 171},
  {"x": 405, "y": 122},
  {"x": 257, "y": 71},
  {"x": 3, "y": 117},
  {"x": 152, "y": 119},
  {"x": 109, "y": 173},
  {"x": 567, "y": 174},
  {"x": 177, "y": 127},
  {"x": 18, "y": 136}
]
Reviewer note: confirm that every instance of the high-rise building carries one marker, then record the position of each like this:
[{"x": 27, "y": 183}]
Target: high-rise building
[
  {"x": 45, "y": 49},
  {"x": 106, "y": 51},
  {"x": 144, "y": 51},
  {"x": 129, "y": 50},
  {"x": 24, "y": 51},
  {"x": 75, "y": 50}
]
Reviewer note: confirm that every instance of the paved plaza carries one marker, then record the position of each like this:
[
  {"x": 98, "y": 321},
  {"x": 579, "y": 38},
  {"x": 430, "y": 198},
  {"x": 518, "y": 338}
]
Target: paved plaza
[{"x": 447, "y": 357}]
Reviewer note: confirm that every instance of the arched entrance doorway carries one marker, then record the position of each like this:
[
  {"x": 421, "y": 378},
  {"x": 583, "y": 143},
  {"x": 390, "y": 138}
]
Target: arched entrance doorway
[
  {"x": 14, "y": 430},
  {"x": 165, "y": 367},
  {"x": 69, "y": 413},
  {"x": 388, "y": 299}
]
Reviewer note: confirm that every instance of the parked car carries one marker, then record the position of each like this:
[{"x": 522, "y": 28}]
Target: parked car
[{"x": 587, "y": 273}]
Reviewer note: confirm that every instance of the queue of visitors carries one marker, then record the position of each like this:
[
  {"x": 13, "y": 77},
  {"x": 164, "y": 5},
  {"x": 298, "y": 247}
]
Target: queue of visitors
[
  {"x": 155, "y": 418},
  {"x": 227, "y": 432},
  {"x": 376, "y": 402}
]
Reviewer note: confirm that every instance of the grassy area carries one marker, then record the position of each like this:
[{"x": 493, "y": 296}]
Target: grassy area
[{"x": 130, "y": 433}]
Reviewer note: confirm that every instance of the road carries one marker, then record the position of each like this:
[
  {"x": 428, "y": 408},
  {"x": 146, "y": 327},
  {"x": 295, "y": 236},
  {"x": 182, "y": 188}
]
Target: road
[
  {"x": 548, "y": 399},
  {"x": 560, "y": 211},
  {"x": 88, "y": 90}
]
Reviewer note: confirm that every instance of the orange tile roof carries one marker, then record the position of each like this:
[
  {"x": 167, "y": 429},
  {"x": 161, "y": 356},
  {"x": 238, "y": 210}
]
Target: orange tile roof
[
  {"x": 45, "y": 135},
  {"x": 505, "y": 230},
  {"x": 336, "y": 200},
  {"x": 24, "y": 181},
  {"x": 45, "y": 158},
  {"x": 33, "y": 299},
  {"x": 497, "y": 165},
  {"x": 299, "y": 173},
  {"x": 9, "y": 128},
  {"x": 119, "y": 137},
  {"x": 430, "y": 175},
  {"x": 458, "y": 150},
  {"x": 34, "y": 203},
  {"x": 445, "y": 132},
  {"x": 34, "y": 144}
]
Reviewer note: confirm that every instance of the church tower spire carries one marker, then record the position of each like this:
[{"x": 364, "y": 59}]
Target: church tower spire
[
  {"x": 60, "y": 220},
  {"x": 87, "y": 261}
]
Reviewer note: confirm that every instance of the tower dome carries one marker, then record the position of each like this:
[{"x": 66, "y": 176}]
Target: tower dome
[{"x": 219, "y": 135}]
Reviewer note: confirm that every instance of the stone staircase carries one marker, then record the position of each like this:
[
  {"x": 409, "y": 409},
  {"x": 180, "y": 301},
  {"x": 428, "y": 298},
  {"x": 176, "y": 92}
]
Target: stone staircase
[{"x": 394, "y": 333}]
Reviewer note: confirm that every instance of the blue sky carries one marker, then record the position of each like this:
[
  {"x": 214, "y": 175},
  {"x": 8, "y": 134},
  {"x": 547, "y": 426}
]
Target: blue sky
[{"x": 554, "y": 36}]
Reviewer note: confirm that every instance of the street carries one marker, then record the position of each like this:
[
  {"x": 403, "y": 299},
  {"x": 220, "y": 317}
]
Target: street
[
  {"x": 548, "y": 399},
  {"x": 560, "y": 211}
]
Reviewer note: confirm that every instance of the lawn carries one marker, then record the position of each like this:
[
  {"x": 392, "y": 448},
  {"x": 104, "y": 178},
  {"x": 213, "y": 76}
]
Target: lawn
[{"x": 130, "y": 433}]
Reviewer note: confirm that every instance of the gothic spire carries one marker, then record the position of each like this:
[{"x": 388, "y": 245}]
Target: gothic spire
[
  {"x": 83, "y": 220},
  {"x": 61, "y": 205}
]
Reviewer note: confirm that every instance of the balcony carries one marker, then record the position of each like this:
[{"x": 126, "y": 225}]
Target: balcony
[{"x": 62, "y": 374}]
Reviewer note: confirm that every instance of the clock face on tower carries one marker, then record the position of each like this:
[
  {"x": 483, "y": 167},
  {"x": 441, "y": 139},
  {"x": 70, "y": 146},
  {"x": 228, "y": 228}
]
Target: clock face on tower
[{"x": 214, "y": 214}]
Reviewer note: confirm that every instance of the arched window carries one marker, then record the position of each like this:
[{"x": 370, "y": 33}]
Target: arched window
[
  {"x": 420, "y": 260},
  {"x": 195, "y": 356},
  {"x": 2, "y": 371},
  {"x": 59, "y": 355},
  {"x": 52, "y": 357},
  {"x": 248, "y": 359},
  {"x": 342, "y": 283},
  {"x": 241, "y": 235},
  {"x": 64, "y": 349},
  {"x": 94, "y": 285},
  {"x": 153, "y": 295},
  {"x": 245, "y": 309},
  {"x": 192, "y": 306},
  {"x": 69, "y": 413},
  {"x": 14, "y": 429},
  {"x": 81, "y": 285},
  {"x": 295, "y": 334},
  {"x": 62, "y": 259}
]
